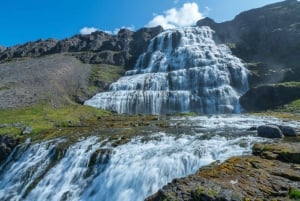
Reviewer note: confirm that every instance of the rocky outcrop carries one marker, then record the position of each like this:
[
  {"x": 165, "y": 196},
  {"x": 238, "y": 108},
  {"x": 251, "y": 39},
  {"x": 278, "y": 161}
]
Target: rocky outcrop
[
  {"x": 288, "y": 131},
  {"x": 269, "y": 35},
  {"x": 46, "y": 70},
  {"x": 272, "y": 174},
  {"x": 269, "y": 131},
  {"x": 270, "y": 96},
  {"x": 7, "y": 144},
  {"x": 2, "y": 48},
  {"x": 96, "y": 48}
]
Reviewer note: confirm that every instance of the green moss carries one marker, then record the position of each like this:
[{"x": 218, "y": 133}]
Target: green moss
[
  {"x": 187, "y": 114},
  {"x": 212, "y": 192},
  {"x": 288, "y": 84},
  {"x": 106, "y": 73},
  {"x": 231, "y": 45},
  {"x": 280, "y": 114},
  {"x": 294, "y": 107},
  {"x": 294, "y": 193},
  {"x": 198, "y": 193},
  {"x": 45, "y": 117}
]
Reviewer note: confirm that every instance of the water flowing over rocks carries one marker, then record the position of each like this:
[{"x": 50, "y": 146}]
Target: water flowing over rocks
[
  {"x": 183, "y": 70},
  {"x": 121, "y": 166},
  {"x": 273, "y": 174},
  {"x": 7, "y": 144}
]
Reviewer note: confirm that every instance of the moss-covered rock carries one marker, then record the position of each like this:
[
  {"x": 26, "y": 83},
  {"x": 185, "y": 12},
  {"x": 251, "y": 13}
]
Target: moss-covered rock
[
  {"x": 270, "y": 96},
  {"x": 273, "y": 174}
]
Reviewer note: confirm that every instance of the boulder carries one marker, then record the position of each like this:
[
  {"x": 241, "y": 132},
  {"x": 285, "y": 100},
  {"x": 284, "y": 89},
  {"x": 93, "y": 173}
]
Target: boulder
[
  {"x": 27, "y": 130},
  {"x": 288, "y": 131},
  {"x": 269, "y": 131}
]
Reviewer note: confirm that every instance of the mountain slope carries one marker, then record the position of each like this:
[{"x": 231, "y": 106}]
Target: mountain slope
[
  {"x": 70, "y": 70},
  {"x": 52, "y": 79},
  {"x": 267, "y": 38},
  {"x": 95, "y": 48}
]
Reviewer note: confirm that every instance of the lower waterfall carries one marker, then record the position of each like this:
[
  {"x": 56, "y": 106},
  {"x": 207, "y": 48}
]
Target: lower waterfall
[
  {"x": 93, "y": 170},
  {"x": 183, "y": 70}
]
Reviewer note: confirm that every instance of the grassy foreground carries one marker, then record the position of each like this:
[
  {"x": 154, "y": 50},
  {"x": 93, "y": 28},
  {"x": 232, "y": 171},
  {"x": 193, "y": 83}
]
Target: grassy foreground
[{"x": 44, "y": 117}]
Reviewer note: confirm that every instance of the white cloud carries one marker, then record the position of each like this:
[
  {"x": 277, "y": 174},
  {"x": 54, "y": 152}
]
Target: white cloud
[
  {"x": 116, "y": 31},
  {"x": 187, "y": 15},
  {"x": 87, "y": 30}
]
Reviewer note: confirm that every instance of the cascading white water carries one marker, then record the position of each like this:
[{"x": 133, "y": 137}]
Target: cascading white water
[
  {"x": 183, "y": 70},
  {"x": 91, "y": 170}
]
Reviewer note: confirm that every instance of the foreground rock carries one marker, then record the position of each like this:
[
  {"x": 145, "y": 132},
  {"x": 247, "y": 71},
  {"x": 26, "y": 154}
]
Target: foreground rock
[
  {"x": 272, "y": 174},
  {"x": 270, "y": 96},
  {"x": 269, "y": 131},
  {"x": 7, "y": 144}
]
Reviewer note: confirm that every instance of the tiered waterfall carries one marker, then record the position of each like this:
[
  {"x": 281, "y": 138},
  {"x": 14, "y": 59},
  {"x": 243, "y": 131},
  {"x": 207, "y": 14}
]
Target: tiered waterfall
[{"x": 183, "y": 70}]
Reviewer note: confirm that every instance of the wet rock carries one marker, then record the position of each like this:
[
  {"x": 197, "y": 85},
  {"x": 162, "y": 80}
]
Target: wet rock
[
  {"x": 242, "y": 178},
  {"x": 27, "y": 130},
  {"x": 286, "y": 152},
  {"x": 269, "y": 131},
  {"x": 7, "y": 144},
  {"x": 288, "y": 131},
  {"x": 253, "y": 128}
]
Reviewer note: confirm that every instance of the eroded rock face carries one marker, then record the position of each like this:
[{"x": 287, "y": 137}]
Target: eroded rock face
[
  {"x": 271, "y": 174},
  {"x": 2, "y": 48},
  {"x": 270, "y": 96},
  {"x": 7, "y": 144},
  {"x": 98, "y": 47},
  {"x": 270, "y": 35}
]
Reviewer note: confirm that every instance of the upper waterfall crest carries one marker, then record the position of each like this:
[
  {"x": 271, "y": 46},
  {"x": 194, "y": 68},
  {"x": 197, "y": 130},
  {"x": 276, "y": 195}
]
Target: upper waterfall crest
[{"x": 183, "y": 70}]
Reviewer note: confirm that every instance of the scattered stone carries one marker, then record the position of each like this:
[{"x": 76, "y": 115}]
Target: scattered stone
[
  {"x": 27, "y": 130},
  {"x": 18, "y": 125},
  {"x": 4, "y": 125},
  {"x": 269, "y": 131},
  {"x": 253, "y": 128},
  {"x": 288, "y": 131}
]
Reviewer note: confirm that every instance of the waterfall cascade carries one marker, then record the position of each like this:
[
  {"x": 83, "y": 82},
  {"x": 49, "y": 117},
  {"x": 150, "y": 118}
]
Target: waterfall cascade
[
  {"x": 93, "y": 170},
  {"x": 183, "y": 70}
]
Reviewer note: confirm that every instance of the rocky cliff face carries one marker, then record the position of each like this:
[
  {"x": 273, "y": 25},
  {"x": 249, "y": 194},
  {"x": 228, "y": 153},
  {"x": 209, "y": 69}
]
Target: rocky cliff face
[
  {"x": 95, "y": 48},
  {"x": 267, "y": 36},
  {"x": 46, "y": 70},
  {"x": 268, "y": 40},
  {"x": 2, "y": 48}
]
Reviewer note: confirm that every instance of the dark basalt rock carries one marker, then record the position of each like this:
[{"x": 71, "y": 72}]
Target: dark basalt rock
[
  {"x": 269, "y": 35},
  {"x": 269, "y": 131},
  {"x": 288, "y": 131},
  {"x": 98, "y": 47},
  {"x": 270, "y": 96},
  {"x": 7, "y": 144}
]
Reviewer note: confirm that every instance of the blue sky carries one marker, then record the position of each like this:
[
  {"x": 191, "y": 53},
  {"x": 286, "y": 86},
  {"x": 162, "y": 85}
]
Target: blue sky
[{"x": 27, "y": 20}]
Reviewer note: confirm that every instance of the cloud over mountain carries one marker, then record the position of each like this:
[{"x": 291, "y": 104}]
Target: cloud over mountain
[
  {"x": 187, "y": 15},
  {"x": 87, "y": 30}
]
